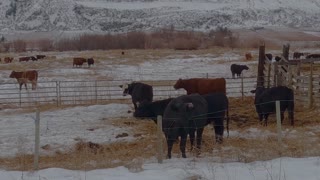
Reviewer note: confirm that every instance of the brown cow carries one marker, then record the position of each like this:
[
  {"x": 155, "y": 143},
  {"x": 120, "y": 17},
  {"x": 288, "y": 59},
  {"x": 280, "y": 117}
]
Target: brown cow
[
  {"x": 202, "y": 85},
  {"x": 40, "y": 56},
  {"x": 248, "y": 56},
  {"x": 26, "y": 76},
  {"x": 8, "y": 59},
  {"x": 24, "y": 59},
  {"x": 78, "y": 61}
]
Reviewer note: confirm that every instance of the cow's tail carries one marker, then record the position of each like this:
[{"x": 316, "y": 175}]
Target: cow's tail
[
  {"x": 291, "y": 106},
  {"x": 227, "y": 113}
]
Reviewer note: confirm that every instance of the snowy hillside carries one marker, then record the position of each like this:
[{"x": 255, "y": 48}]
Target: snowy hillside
[{"x": 128, "y": 15}]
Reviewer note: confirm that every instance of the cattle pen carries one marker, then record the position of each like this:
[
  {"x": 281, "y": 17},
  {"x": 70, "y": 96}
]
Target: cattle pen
[{"x": 61, "y": 93}]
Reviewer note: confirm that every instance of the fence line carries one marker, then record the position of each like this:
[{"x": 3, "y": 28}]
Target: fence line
[{"x": 98, "y": 92}]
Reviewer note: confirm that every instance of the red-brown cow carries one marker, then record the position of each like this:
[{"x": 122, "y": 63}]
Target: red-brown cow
[
  {"x": 78, "y": 61},
  {"x": 248, "y": 56},
  {"x": 202, "y": 85},
  {"x": 24, "y": 59},
  {"x": 8, "y": 59},
  {"x": 24, "y": 77}
]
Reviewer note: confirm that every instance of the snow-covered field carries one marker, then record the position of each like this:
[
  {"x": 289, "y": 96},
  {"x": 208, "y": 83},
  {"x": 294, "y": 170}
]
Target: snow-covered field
[{"x": 61, "y": 128}]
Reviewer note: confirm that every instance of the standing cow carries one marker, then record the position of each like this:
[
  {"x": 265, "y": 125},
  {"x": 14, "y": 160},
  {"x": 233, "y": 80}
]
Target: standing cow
[
  {"x": 201, "y": 85},
  {"x": 184, "y": 115},
  {"x": 90, "y": 61},
  {"x": 237, "y": 69},
  {"x": 265, "y": 102},
  {"x": 78, "y": 61},
  {"x": 269, "y": 56},
  {"x": 24, "y": 77},
  {"x": 139, "y": 92}
]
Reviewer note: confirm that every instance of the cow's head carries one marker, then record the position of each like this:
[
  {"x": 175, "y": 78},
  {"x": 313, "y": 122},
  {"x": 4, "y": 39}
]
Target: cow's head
[
  {"x": 178, "y": 84},
  {"x": 125, "y": 89},
  {"x": 13, "y": 74},
  {"x": 245, "y": 67}
]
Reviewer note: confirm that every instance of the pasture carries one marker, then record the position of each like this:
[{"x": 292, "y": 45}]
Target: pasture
[{"x": 117, "y": 137}]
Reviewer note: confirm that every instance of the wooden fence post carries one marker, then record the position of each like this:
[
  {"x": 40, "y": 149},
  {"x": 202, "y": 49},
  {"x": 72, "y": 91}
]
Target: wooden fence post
[
  {"x": 269, "y": 74},
  {"x": 160, "y": 142},
  {"x": 276, "y": 74},
  {"x": 37, "y": 141},
  {"x": 310, "y": 89},
  {"x": 242, "y": 89},
  {"x": 262, "y": 57},
  {"x": 278, "y": 114}
]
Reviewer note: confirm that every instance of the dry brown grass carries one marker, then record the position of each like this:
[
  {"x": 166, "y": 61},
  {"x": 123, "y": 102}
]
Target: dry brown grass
[{"x": 87, "y": 155}]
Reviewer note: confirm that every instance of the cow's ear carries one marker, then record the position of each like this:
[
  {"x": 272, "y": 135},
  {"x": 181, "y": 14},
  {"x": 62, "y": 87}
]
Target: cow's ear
[
  {"x": 121, "y": 86},
  {"x": 189, "y": 106},
  {"x": 253, "y": 91}
]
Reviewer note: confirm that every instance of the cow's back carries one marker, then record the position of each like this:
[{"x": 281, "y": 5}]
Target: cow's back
[
  {"x": 31, "y": 75},
  {"x": 206, "y": 86},
  {"x": 142, "y": 92}
]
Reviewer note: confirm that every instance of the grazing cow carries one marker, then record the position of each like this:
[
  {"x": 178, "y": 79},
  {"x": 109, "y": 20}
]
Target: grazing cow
[
  {"x": 277, "y": 58},
  {"x": 201, "y": 85},
  {"x": 140, "y": 92},
  {"x": 8, "y": 59},
  {"x": 151, "y": 109},
  {"x": 311, "y": 56},
  {"x": 218, "y": 106},
  {"x": 78, "y": 61},
  {"x": 248, "y": 56},
  {"x": 40, "y": 56},
  {"x": 184, "y": 115},
  {"x": 269, "y": 56},
  {"x": 265, "y": 102},
  {"x": 24, "y": 59},
  {"x": 24, "y": 77},
  {"x": 297, "y": 55},
  {"x": 237, "y": 69},
  {"x": 90, "y": 61}
]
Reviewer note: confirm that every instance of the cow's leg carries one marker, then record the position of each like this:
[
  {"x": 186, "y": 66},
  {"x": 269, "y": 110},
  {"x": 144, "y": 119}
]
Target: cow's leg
[
  {"x": 199, "y": 139},
  {"x": 192, "y": 137},
  {"x": 218, "y": 128},
  {"x": 25, "y": 85},
  {"x": 233, "y": 75},
  {"x": 183, "y": 143},
  {"x": 170, "y": 141},
  {"x": 20, "y": 85}
]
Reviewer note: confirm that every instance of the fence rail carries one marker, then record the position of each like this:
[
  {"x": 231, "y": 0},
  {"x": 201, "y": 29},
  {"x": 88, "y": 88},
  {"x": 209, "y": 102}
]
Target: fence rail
[{"x": 97, "y": 92}]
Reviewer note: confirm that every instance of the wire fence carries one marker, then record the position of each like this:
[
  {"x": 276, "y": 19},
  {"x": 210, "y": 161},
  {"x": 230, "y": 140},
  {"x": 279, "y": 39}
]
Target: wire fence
[
  {"x": 63, "y": 131},
  {"x": 100, "y": 91}
]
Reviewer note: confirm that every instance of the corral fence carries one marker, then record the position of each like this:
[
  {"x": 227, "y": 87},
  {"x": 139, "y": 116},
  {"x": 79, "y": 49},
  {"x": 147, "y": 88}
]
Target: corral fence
[
  {"x": 101, "y": 91},
  {"x": 301, "y": 75}
]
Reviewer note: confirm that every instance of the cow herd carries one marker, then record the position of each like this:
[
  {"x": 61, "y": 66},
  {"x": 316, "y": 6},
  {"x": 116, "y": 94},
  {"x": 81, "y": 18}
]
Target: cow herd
[{"x": 205, "y": 103}]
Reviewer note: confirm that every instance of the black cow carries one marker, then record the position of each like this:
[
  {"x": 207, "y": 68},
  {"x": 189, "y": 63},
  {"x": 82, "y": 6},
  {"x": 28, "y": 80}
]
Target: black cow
[
  {"x": 265, "y": 102},
  {"x": 297, "y": 55},
  {"x": 310, "y": 56},
  {"x": 277, "y": 58},
  {"x": 218, "y": 106},
  {"x": 151, "y": 109},
  {"x": 139, "y": 92},
  {"x": 90, "y": 61},
  {"x": 269, "y": 56},
  {"x": 237, "y": 69},
  {"x": 184, "y": 115}
]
